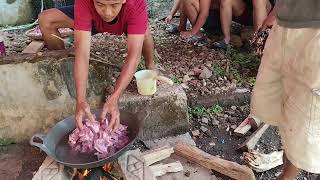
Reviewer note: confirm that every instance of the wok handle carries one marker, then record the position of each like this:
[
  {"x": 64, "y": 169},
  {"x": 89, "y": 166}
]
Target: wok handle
[{"x": 39, "y": 145}]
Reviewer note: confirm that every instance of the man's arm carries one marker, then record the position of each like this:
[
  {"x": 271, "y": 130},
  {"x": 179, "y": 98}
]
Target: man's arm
[
  {"x": 81, "y": 68},
  {"x": 135, "y": 43},
  {"x": 202, "y": 17},
  {"x": 81, "y": 65},
  {"x": 175, "y": 7}
]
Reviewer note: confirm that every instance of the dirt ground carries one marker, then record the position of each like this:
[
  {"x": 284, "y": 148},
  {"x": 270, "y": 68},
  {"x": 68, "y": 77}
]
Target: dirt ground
[{"x": 201, "y": 71}]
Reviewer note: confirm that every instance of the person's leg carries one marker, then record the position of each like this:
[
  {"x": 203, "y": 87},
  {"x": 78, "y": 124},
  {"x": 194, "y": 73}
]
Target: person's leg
[
  {"x": 228, "y": 9},
  {"x": 148, "y": 50},
  {"x": 261, "y": 9},
  {"x": 183, "y": 18},
  {"x": 49, "y": 21},
  {"x": 289, "y": 171},
  {"x": 191, "y": 10}
]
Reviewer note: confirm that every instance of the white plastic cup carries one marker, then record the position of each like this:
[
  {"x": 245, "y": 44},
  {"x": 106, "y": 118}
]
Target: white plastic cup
[{"x": 147, "y": 81}]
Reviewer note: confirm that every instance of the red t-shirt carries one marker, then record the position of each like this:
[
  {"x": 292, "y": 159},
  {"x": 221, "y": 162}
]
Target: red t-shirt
[{"x": 132, "y": 18}]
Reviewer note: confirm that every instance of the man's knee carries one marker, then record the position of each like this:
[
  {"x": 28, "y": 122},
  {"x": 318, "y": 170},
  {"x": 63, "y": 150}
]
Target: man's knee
[
  {"x": 258, "y": 4},
  {"x": 225, "y": 3},
  {"x": 47, "y": 18}
]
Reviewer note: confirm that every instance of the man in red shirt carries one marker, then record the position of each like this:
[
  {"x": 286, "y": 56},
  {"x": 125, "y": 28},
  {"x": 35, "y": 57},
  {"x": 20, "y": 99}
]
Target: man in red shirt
[{"x": 92, "y": 16}]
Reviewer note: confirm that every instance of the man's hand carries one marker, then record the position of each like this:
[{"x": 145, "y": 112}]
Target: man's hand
[
  {"x": 82, "y": 108},
  {"x": 168, "y": 19},
  {"x": 186, "y": 34},
  {"x": 268, "y": 22},
  {"x": 111, "y": 107}
]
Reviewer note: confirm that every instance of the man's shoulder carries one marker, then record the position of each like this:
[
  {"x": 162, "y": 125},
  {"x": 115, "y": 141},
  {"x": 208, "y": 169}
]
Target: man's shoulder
[{"x": 135, "y": 4}]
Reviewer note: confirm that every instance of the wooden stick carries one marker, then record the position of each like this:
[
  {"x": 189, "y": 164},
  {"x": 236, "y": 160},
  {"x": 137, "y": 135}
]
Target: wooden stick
[
  {"x": 251, "y": 142},
  {"x": 162, "y": 169},
  {"x": 231, "y": 169},
  {"x": 156, "y": 155},
  {"x": 246, "y": 125}
]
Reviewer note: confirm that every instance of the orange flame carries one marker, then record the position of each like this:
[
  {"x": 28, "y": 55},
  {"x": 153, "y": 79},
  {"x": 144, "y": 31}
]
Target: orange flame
[{"x": 107, "y": 167}]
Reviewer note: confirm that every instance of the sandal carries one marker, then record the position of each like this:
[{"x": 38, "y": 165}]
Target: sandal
[
  {"x": 173, "y": 29},
  {"x": 221, "y": 45},
  {"x": 195, "y": 39}
]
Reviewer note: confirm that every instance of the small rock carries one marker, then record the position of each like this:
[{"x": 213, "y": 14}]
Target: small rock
[
  {"x": 225, "y": 116},
  {"x": 196, "y": 132},
  {"x": 212, "y": 144},
  {"x": 98, "y": 53},
  {"x": 201, "y": 54},
  {"x": 209, "y": 64},
  {"x": 220, "y": 79},
  {"x": 184, "y": 86},
  {"x": 205, "y": 120},
  {"x": 242, "y": 90},
  {"x": 186, "y": 78},
  {"x": 233, "y": 126},
  {"x": 204, "y": 129},
  {"x": 187, "y": 173},
  {"x": 215, "y": 122},
  {"x": 236, "y": 41},
  {"x": 228, "y": 128},
  {"x": 233, "y": 108},
  {"x": 277, "y": 174},
  {"x": 196, "y": 71},
  {"x": 205, "y": 74}
]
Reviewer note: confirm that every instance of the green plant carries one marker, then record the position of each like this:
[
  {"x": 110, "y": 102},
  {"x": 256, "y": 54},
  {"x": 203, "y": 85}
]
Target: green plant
[
  {"x": 216, "y": 109},
  {"x": 6, "y": 141},
  {"x": 218, "y": 70},
  {"x": 176, "y": 80},
  {"x": 141, "y": 65},
  {"x": 252, "y": 81},
  {"x": 200, "y": 111}
]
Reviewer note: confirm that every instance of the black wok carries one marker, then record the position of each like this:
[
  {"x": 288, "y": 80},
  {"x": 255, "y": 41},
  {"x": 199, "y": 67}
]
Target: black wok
[{"x": 55, "y": 142}]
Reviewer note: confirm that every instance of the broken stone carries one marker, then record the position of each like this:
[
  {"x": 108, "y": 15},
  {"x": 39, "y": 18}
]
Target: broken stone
[
  {"x": 233, "y": 126},
  {"x": 215, "y": 122},
  {"x": 196, "y": 132},
  {"x": 242, "y": 90},
  {"x": 204, "y": 129},
  {"x": 236, "y": 41},
  {"x": 233, "y": 108},
  {"x": 205, "y": 120},
  {"x": 196, "y": 71},
  {"x": 205, "y": 74},
  {"x": 186, "y": 78},
  {"x": 184, "y": 86}
]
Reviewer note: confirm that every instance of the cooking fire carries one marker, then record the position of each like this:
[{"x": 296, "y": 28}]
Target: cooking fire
[{"x": 98, "y": 173}]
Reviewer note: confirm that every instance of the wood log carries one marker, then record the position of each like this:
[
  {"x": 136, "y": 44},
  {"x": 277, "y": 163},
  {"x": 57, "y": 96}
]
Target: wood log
[
  {"x": 251, "y": 142},
  {"x": 162, "y": 169},
  {"x": 158, "y": 154},
  {"x": 228, "y": 168}
]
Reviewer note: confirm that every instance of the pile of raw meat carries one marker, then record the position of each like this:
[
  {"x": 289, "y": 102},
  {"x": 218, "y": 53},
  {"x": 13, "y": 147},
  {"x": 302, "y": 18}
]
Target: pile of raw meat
[
  {"x": 96, "y": 137},
  {"x": 37, "y": 32}
]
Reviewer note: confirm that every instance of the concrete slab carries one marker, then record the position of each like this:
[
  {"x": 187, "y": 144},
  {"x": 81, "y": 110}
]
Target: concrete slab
[{"x": 35, "y": 95}]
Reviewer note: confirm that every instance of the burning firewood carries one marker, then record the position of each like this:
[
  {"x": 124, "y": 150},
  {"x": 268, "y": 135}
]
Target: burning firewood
[{"x": 263, "y": 162}]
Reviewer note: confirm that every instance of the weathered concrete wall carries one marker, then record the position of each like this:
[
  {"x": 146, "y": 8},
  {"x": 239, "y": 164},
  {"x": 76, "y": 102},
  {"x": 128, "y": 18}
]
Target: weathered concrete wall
[
  {"x": 15, "y": 12},
  {"x": 159, "y": 8},
  {"x": 34, "y": 95}
]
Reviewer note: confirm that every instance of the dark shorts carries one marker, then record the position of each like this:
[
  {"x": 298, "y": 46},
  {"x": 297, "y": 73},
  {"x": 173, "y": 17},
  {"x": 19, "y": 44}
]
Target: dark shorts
[
  {"x": 246, "y": 17},
  {"x": 69, "y": 11},
  {"x": 213, "y": 23}
]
